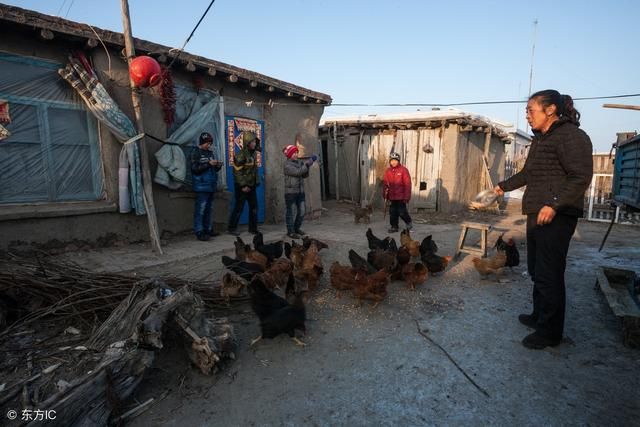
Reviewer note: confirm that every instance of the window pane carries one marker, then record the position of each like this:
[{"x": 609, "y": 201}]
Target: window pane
[
  {"x": 72, "y": 168},
  {"x": 68, "y": 127},
  {"x": 22, "y": 170},
  {"x": 24, "y": 126},
  {"x": 33, "y": 78}
]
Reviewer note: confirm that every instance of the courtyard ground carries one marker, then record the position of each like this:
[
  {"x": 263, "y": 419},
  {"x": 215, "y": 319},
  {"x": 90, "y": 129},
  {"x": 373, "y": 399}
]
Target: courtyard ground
[{"x": 372, "y": 366}]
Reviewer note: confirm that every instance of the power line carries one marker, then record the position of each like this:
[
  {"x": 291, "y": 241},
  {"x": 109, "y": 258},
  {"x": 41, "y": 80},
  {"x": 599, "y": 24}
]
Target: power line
[
  {"x": 69, "y": 10},
  {"x": 455, "y": 104},
  {"x": 61, "y": 6},
  {"x": 192, "y": 33}
]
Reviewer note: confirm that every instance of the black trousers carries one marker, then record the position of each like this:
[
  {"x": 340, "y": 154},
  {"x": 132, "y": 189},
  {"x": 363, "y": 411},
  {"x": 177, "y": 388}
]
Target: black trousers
[
  {"x": 547, "y": 248},
  {"x": 398, "y": 209},
  {"x": 240, "y": 198}
]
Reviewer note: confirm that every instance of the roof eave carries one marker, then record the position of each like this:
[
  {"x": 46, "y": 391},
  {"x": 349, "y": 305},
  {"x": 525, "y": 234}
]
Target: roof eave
[{"x": 29, "y": 18}]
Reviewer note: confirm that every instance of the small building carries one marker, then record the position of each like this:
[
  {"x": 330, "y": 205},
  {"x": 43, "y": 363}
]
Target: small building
[
  {"x": 517, "y": 151},
  {"x": 64, "y": 173},
  {"x": 444, "y": 150}
]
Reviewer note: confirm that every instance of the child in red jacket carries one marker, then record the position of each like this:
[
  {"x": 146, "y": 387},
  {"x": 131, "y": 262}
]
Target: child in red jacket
[{"x": 397, "y": 189}]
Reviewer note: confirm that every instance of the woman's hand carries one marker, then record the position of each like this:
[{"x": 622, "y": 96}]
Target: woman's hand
[
  {"x": 499, "y": 191},
  {"x": 546, "y": 215}
]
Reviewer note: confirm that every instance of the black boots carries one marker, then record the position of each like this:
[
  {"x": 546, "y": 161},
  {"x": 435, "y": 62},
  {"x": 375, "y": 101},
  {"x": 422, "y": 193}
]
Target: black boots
[
  {"x": 528, "y": 320},
  {"x": 536, "y": 341},
  {"x": 202, "y": 236}
]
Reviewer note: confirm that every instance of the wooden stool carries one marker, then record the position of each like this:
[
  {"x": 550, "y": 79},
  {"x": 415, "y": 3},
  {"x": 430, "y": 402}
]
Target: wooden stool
[{"x": 484, "y": 232}]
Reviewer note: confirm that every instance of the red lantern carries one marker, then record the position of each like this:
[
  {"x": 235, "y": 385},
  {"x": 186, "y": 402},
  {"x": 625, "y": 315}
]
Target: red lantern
[{"x": 145, "y": 71}]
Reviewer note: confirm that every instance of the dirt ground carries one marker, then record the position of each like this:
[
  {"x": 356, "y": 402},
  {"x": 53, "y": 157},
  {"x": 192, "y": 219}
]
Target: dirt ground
[{"x": 365, "y": 366}]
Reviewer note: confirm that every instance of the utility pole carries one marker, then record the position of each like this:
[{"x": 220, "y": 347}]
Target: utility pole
[
  {"x": 136, "y": 99},
  {"x": 533, "y": 53}
]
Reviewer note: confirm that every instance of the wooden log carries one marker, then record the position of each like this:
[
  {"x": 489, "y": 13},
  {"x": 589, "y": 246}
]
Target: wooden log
[
  {"x": 91, "y": 43},
  {"x": 151, "y": 328},
  {"x": 46, "y": 34},
  {"x": 90, "y": 399},
  {"x": 123, "y": 321},
  {"x": 199, "y": 351}
]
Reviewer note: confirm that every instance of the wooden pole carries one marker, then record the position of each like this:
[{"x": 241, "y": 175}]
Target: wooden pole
[
  {"x": 136, "y": 99},
  {"x": 485, "y": 157},
  {"x": 622, "y": 106},
  {"x": 335, "y": 150}
]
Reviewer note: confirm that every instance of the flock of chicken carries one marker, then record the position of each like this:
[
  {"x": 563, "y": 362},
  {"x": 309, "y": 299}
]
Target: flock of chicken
[{"x": 262, "y": 270}]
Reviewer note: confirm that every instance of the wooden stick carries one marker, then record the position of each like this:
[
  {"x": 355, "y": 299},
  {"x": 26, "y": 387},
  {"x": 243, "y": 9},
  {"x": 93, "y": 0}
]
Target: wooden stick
[
  {"x": 136, "y": 409},
  {"x": 136, "y": 99},
  {"x": 18, "y": 388},
  {"x": 446, "y": 353},
  {"x": 622, "y": 106}
]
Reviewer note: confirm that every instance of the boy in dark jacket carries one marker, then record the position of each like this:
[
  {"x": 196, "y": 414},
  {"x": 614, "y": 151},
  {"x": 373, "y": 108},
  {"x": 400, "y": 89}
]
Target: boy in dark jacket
[
  {"x": 204, "y": 169},
  {"x": 397, "y": 190},
  {"x": 246, "y": 179},
  {"x": 295, "y": 171}
]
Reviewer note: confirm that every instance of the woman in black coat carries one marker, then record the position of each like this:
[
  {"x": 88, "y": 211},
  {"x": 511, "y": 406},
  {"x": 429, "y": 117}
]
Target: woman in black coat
[{"x": 557, "y": 173}]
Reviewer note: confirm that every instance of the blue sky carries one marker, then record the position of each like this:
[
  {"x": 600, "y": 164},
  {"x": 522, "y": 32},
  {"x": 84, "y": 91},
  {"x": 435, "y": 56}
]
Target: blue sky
[{"x": 408, "y": 51}]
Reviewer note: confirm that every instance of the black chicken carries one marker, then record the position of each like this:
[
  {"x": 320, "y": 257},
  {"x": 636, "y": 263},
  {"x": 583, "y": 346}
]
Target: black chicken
[
  {"x": 382, "y": 260},
  {"x": 435, "y": 263},
  {"x": 276, "y": 315},
  {"x": 246, "y": 270},
  {"x": 358, "y": 262},
  {"x": 270, "y": 250},
  {"x": 392, "y": 246},
  {"x": 386, "y": 244},
  {"x": 511, "y": 251},
  {"x": 374, "y": 242},
  {"x": 287, "y": 249},
  {"x": 428, "y": 245}
]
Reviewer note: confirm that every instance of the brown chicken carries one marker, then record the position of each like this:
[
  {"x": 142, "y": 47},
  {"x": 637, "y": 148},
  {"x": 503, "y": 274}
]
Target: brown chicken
[
  {"x": 231, "y": 286},
  {"x": 412, "y": 245},
  {"x": 493, "y": 265},
  {"x": 277, "y": 274},
  {"x": 245, "y": 253},
  {"x": 296, "y": 255},
  {"x": 414, "y": 273},
  {"x": 308, "y": 241},
  {"x": 344, "y": 278},
  {"x": 311, "y": 267},
  {"x": 403, "y": 257},
  {"x": 374, "y": 288}
]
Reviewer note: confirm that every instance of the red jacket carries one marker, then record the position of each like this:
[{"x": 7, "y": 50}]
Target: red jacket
[{"x": 397, "y": 183}]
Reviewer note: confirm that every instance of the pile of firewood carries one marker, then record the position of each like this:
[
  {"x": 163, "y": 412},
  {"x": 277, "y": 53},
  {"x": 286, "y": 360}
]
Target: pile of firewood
[{"x": 78, "y": 342}]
